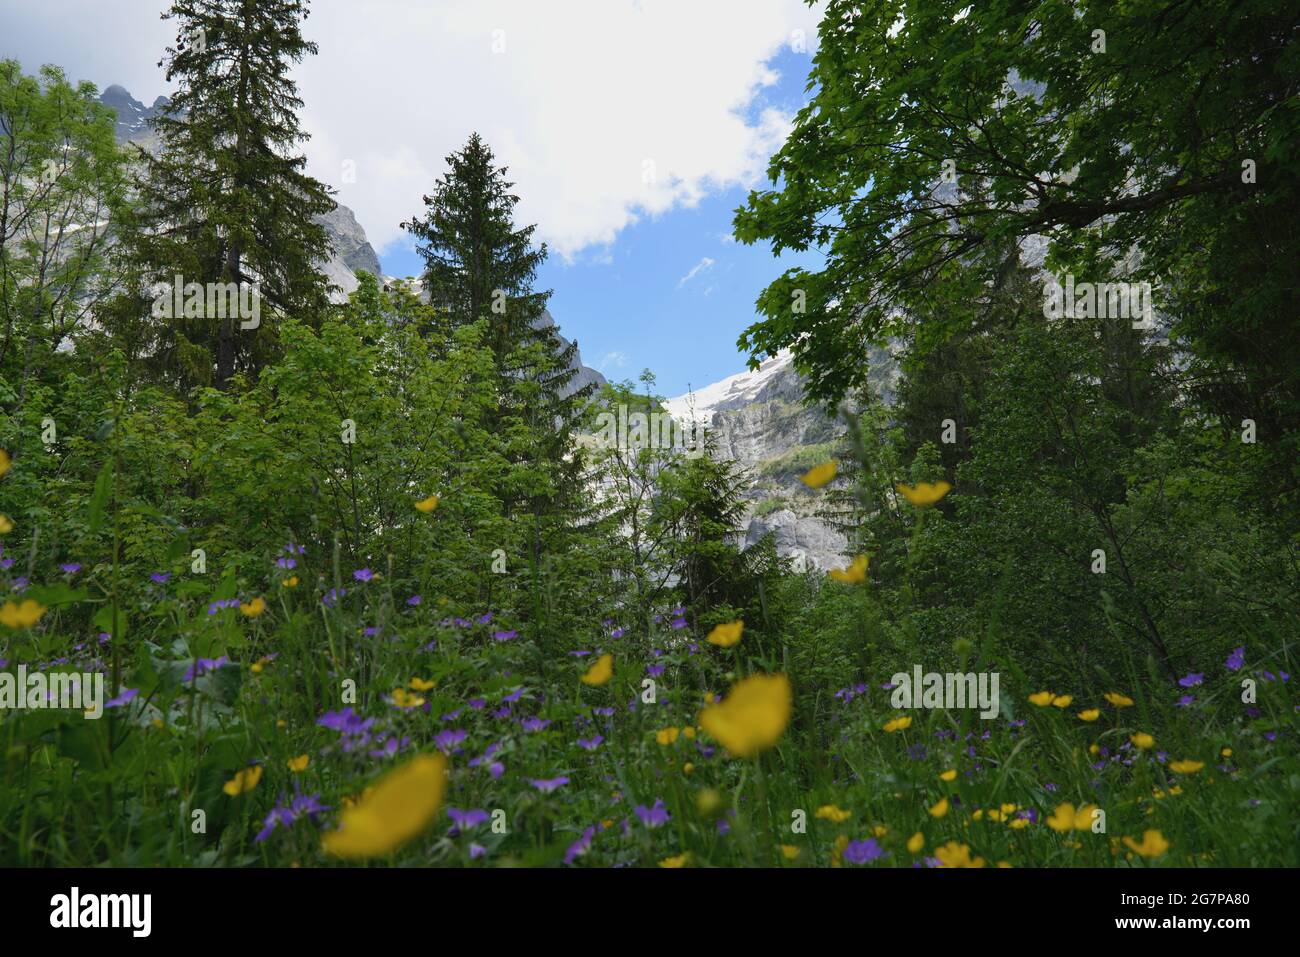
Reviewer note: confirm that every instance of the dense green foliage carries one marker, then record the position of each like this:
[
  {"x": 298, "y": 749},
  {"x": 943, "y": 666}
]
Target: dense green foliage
[{"x": 389, "y": 526}]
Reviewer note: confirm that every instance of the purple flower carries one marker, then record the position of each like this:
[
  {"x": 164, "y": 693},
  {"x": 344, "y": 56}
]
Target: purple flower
[
  {"x": 363, "y": 574},
  {"x": 505, "y": 635},
  {"x": 535, "y": 724},
  {"x": 679, "y": 623},
  {"x": 590, "y": 744},
  {"x": 654, "y": 671},
  {"x": 484, "y": 619},
  {"x": 859, "y": 852},
  {"x": 286, "y": 563},
  {"x": 1186, "y": 700},
  {"x": 125, "y": 695},
  {"x": 293, "y": 549},
  {"x": 451, "y": 715},
  {"x": 547, "y": 785},
  {"x": 1191, "y": 680},
  {"x": 71, "y": 567},
  {"x": 616, "y": 633},
  {"x": 160, "y": 578},
  {"x": 603, "y": 712},
  {"x": 476, "y": 851},
  {"x": 478, "y": 704},
  {"x": 388, "y": 747},
  {"x": 579, "y": 847},
  {"x": 513, "y": 696},
  {"x": 331, "y": 597},
  {"x": 202, "y": 666},
  {"x": 1236, "y": 659},
  {"x": 465, "y": 820},
  {"x": 414, "y": 600},
  {"x": 653, "y": 816},
  {"x": 446, "y": 740},
  {"x": 284, "y": 814}
]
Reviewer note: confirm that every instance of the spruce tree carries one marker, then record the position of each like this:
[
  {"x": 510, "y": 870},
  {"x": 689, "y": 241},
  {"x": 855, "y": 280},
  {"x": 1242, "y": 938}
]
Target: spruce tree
[
  {"x": 480, "y": 268},
  {"x": 226, "y": 199}
]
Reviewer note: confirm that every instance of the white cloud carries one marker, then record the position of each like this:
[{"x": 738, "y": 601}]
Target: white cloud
[
  {"x": 604, "y": 111},
  {"x": 704, "y": 265},
  {"x": 616, "y": 360}
]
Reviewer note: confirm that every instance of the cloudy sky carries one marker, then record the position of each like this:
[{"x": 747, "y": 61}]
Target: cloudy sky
[{"x": 631, "y": 128}]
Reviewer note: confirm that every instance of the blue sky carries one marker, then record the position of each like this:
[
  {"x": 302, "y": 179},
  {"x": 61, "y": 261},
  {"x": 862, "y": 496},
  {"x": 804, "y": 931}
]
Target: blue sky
[{"x": 629, "y": 304}]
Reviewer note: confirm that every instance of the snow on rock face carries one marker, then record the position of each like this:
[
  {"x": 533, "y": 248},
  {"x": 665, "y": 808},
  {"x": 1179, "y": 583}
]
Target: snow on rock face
[{"x": 733, "y": 392}]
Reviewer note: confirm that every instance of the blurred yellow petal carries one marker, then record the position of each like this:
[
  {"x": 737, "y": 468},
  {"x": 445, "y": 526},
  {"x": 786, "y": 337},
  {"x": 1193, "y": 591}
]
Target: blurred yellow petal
[
  {"x": 753, "y": 715},
  {"x": 253, "y": 608},
  {"x": 924, "y": 494},
  {"x": 428, "y": 504},
  {"x": 1042, "y": 699},
  {"x": 855, "y": 574},
  {"x": 299, "y": 764},
  {"x": 1186, "y": 767},
  {"x": 1090, "y": 714},
  {"x": 898, "y": 724},
  {"x": 1153, "y": 844},
  {"x": 243, "y": 781},
  {"x": 396, "y": 810},
  {"x": 600, "y": 672},
  {"x": 819, "y": 475},
  {"x": 726, "y": 635}
]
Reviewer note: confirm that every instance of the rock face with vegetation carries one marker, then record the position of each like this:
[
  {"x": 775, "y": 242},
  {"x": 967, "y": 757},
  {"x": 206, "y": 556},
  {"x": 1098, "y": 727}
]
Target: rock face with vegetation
[{"x": 759, "y": 420}]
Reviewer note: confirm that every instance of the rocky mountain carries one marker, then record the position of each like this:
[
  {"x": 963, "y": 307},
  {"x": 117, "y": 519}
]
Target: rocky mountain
[{"x": 758, "y": 420}]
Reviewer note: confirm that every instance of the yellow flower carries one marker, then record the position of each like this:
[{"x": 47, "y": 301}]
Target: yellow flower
[
  {"x": 1118, "y": 700},
  {"x": 5, "y": 462},
  {"x": 405, "y": 700},
  {"x": 6, "y": 526},
  {"x": 752, "y": 716},
  {"x": 1042, "y": 699},
  {"x": 688, "y": 767},
  {"x": 1186, "y": 766},
  {"x": 428, "y": 504},
  {"x": 726, "y": 635},
  {"x": 953, "y": 854},
  {"x": 837, "y": 850},
  {"x": 688, "y": 732},
  {"x": 600, "y": 672},
  {"x": 819, "y": 475},
  {"x": 243, "y": 781},
  {"x": 1142, "y": 740},
  {"x": 1091, "y": 714},
  {"x": 880, "y": 830},
  {"x": 708, "y": 802},
  {"x": 789, "y": 851},
  {"x": 940, "y": 809},
  {"x": 253, "y": 608},
  {"x": 1062, "y": 819},
  {"x": 420, "y": 684},
  {"x": 1226, "y": 753},
  {"x": 829, "y": 812},
  {"x": 916, "y": 843},
  {"x": 667, "y": 736},
  {"x": 257, "y": 666},
  {"x": 281, "y": 724},
  {"x": 924, "y": 494},
  {"x": 290, "y": 582},
  {"x": 855, "y": 574},
  {"x": 299, "y": 764},
  {"x": 21, "y": 616},
  {"x": 1018, "y": 823},
  {"x": 399, "y": 807},
  {"x": 1066, "y": 818},
  {"x": 1062, "y": 701},
  {"x": 949, "y": 775},
  {"x": 1153, "y": 844},
  {"x": 681, "y": 860},
  {"x": 898, "y": 724}
]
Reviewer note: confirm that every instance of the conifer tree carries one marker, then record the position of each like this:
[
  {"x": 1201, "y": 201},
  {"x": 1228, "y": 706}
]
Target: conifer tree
[
  {"x": 226, "y": 199},
  {"x": 480, "y": 268}
]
